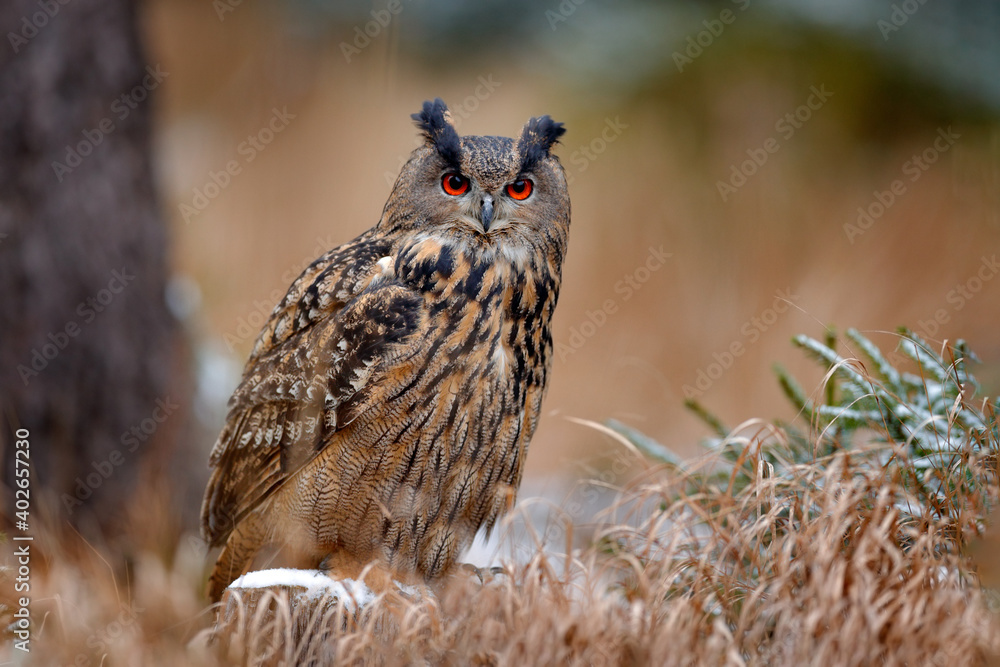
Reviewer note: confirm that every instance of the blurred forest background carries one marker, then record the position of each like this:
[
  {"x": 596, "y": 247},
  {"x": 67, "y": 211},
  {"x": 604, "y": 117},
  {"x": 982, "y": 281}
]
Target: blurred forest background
[
  {"x": 659, "y": 108},
  {"x": 802, "y": 163}
]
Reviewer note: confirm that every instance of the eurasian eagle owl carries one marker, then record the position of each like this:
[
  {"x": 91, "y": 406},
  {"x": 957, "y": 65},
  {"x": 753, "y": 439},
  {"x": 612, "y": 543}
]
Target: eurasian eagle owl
[{"x": 385, "y": 411}]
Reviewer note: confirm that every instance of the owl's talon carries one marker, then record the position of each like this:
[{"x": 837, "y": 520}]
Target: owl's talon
[
  {"x": 472, "y": 569},
  {"x": 484, "y": 574}
]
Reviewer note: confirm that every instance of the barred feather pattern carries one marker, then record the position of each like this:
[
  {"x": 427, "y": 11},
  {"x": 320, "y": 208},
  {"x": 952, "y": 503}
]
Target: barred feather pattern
[{"x": 386, "y": 408}]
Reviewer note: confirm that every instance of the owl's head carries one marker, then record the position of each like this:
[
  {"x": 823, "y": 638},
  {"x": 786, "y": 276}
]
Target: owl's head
[{"x": 483, "y": 190}]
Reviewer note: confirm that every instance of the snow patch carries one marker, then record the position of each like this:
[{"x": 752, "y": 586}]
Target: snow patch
[{"x": 315, "y": 582}]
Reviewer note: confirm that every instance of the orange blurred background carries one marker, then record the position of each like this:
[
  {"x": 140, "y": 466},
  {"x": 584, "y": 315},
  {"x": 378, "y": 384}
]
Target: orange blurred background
[{"x": 651, "y": 134}]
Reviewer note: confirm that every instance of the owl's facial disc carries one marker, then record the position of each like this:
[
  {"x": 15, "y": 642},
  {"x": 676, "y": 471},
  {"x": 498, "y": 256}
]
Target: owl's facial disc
[
  {"x": 486, "y": 212},
  {"x": 477, "y": 207},
  {"x": 480, "y": 211}
]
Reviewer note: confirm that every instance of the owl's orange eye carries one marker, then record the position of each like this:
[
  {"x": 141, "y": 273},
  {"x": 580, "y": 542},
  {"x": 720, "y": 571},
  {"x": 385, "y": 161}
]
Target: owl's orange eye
[
  {"x": 455, "y": 184},
  {"x": 520, "y": 189}
]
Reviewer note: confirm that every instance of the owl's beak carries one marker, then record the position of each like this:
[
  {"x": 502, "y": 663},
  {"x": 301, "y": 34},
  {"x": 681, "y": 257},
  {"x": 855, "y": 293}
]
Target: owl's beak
[{"x": 486, "y": 212}]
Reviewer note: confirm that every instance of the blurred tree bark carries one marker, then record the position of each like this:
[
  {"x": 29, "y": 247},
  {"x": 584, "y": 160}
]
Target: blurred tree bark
[{"x": 90, "y": 361}]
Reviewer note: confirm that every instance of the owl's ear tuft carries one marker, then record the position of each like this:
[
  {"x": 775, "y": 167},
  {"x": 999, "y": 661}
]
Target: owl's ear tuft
[
  {"x": 536, "y": 140},
  {"x": 434, "y": 120}
]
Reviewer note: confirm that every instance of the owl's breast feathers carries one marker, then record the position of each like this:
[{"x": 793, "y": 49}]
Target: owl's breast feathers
[
  {"x": 389, "y": 357},
  {"x": 491, "y": 312}
]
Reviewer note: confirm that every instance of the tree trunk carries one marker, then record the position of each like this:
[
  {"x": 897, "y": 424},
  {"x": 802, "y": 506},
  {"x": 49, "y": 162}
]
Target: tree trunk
[{"x": 89, "y": 349}]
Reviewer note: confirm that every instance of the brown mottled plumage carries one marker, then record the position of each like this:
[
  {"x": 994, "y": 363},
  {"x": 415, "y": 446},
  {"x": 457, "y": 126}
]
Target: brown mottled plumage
[{"x": 386, "y": 408}]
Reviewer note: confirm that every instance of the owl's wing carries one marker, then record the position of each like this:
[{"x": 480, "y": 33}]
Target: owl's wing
[
  {"x": 291, "y": 403},
  {"x": 322, "y": 289},
  {"x": 297, "y": 393}
]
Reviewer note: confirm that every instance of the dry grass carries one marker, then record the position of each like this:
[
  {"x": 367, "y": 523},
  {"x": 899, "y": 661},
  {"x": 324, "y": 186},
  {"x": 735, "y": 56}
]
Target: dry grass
[
  {"x": 820, "y": 569},
  {"x": 841, "y": 546}
]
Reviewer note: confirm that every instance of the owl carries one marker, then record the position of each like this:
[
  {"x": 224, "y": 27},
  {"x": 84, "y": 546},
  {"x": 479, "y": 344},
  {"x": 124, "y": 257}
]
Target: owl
[{"x": 385, "y": 412}]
